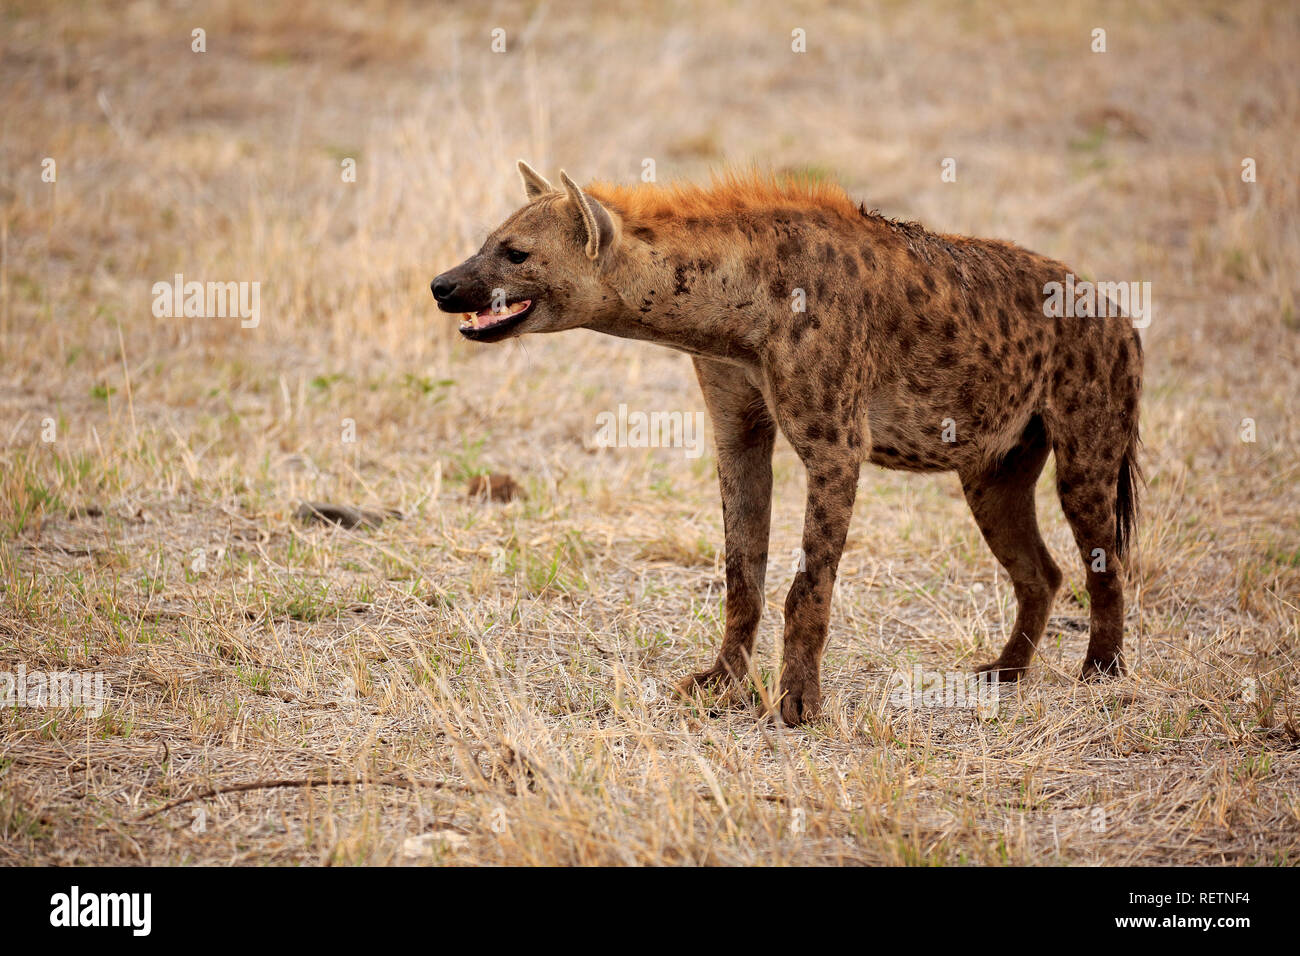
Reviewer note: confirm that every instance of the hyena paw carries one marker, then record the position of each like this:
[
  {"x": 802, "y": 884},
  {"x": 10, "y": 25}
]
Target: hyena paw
[
  {"x": 1003, "y": 673},
  {"x": 1096, "y": 668},
  {"x": 801, "y": 701},
  {"x": 716, "y": 678}
]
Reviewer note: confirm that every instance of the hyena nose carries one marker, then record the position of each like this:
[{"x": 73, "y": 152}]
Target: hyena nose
[{"x": 443, "y": 288}]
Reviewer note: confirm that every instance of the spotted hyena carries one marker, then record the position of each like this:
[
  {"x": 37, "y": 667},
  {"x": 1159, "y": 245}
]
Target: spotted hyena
[{"x": 860, "y": 339}]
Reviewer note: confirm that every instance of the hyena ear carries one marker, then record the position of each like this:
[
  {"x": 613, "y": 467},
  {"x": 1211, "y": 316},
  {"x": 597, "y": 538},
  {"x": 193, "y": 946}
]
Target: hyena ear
[
  {"x": 534, "y": 183},
  {"x": 597, "y": 225}
]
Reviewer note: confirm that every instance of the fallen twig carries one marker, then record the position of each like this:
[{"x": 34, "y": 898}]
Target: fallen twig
[{"x": 406, "y": 783}]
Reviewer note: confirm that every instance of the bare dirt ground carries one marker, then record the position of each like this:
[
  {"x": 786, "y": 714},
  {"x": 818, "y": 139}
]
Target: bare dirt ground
[{"x": 479, "y": 682}]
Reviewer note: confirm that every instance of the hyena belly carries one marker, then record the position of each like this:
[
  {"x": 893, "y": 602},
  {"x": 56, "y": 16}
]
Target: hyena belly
[{"x": 965, "y": 355}]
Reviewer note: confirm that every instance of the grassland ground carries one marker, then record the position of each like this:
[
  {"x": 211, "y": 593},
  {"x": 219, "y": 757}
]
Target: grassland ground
[{"x": 481, "y": 682}]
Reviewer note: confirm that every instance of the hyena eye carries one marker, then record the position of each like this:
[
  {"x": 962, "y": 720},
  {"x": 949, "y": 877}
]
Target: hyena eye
[{"x": 515, "y": 256}]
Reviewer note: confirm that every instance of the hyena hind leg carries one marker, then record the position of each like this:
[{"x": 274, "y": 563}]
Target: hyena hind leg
[
  {"x": 1095, "y": 481},
  {"x": 1002, "y": 499}
]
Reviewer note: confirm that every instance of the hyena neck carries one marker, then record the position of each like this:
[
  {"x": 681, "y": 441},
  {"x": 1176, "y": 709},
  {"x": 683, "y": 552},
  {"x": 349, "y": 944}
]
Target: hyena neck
[{"x": 676, "y": 294}]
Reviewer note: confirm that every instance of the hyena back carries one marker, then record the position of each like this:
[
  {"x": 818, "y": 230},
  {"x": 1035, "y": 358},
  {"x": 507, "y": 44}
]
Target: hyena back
[{"x": 858, "y": 338}]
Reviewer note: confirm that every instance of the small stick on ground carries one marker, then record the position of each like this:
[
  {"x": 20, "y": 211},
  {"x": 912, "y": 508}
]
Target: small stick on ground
[{"x": 403, "y": 782}]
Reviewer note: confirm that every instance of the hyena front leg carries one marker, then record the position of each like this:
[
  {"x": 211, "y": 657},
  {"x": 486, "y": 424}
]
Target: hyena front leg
[
  {"x": 745, "y": 433},
  {"x": 832, "y": 456}
]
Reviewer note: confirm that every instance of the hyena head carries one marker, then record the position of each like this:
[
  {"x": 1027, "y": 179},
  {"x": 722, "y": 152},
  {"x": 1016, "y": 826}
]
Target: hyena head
[{"x": 542, "y": 270}]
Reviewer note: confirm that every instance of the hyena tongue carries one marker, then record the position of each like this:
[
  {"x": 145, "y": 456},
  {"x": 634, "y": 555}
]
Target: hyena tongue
[{"x": 490, "y": 317}]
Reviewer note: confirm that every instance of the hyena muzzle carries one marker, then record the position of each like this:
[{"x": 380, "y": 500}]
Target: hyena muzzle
[{"x": 859, "y": 338}]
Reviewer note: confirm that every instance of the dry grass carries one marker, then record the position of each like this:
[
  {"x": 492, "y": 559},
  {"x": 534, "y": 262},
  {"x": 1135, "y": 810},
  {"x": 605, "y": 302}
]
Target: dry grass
[{"x": 493, "y": 674}]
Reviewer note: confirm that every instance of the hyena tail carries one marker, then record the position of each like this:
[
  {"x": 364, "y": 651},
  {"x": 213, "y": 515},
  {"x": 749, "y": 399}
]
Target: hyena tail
[
  {"x": 1129, "y": 481},
  {"x": 1126, "y": 496}
]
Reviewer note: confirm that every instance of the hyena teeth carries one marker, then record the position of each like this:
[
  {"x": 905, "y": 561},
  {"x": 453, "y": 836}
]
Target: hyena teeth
[
  {"x": 490, "y": 317},
  {"x": 486, "y": 318}
]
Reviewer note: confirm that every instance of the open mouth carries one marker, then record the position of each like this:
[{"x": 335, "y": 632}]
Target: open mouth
[{"x": 490, "y": 323}]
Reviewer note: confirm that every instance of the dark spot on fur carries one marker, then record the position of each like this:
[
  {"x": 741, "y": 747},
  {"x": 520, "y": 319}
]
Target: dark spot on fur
[
  {"x": 1117, "y": 373},
  {"x": 681, "y": 284},
  {"x": 893, "y": 322}
]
